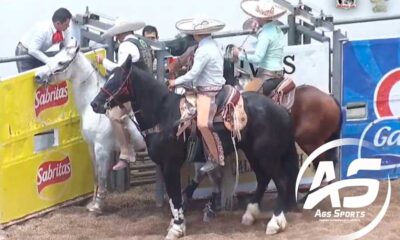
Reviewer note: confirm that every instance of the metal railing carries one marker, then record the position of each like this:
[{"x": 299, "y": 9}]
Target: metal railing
[
  {"x": 366, "y": 20},
  {"x": 23, "y": 57}
]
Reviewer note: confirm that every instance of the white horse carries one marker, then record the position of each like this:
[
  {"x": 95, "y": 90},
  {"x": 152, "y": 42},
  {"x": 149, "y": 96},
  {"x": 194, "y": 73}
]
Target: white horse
[{"x": 86, "y": 81}]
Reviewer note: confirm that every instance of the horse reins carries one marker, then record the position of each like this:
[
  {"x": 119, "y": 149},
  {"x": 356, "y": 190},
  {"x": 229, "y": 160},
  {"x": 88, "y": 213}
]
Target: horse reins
[{"x": 111, "y": 96}]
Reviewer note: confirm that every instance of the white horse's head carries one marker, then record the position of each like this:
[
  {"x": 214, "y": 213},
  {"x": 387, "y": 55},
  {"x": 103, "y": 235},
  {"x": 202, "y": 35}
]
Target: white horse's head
[{"x": 58, "y": 65}]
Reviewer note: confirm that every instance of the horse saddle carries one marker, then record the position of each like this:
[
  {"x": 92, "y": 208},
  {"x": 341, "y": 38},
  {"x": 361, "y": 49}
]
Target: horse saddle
[
  {"x": 230, "y": 110},
  {"x": 283, "y": 94}
]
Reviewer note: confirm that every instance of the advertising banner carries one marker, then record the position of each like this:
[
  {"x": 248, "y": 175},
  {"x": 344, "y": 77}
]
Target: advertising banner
[
  {"x": 305, "y": 64},
  {"x": 371, "y": 95},
  {"x": 44, "y": 160}
]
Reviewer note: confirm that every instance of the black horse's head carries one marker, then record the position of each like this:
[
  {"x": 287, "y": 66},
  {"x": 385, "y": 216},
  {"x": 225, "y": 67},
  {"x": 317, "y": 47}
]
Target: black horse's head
[
  {"x": 116, "y": 90},
  {"x": 179, "y": 45}
]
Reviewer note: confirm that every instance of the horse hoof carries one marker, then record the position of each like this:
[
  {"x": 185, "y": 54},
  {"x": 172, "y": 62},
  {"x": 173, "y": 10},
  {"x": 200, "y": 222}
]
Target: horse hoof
[
  {"x": 272, "y": 230},
  {"x": 251, "y": 214},
  {"x": 176, "y": 231},
  {"x": 248, "y": 219},
  {"x": 208, "y": 213},
  {"x": 95, "y": 206},
  {"x": 209, "y": 216},
  {"x": 276, "y": 224}
]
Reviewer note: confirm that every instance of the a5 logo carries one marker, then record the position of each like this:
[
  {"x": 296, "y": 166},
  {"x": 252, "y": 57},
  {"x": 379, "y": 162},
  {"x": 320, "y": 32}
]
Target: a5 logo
[{"x": 326, "y": 169}]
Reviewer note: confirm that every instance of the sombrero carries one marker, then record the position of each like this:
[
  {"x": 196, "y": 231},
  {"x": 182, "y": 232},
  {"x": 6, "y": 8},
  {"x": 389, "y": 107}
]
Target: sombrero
[
  {"x": 264, "y": 9},
  {"x": 199, "y": 26},
  {"x": 122, "y": 26}
]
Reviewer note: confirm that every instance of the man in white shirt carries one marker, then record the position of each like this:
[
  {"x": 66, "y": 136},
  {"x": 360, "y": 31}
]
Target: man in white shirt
[
  {"x": 41, "y": 38},
  {"x": 140, "y": 52},
  {"x": 206, "y": 75}
]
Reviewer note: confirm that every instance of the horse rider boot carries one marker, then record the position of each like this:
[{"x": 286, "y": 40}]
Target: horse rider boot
[
  {"x": 140, "y": 52},
  {"x": 207, "y": 76}
]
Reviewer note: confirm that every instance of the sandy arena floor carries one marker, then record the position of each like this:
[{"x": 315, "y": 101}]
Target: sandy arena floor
[{"x": 133, "y": 215}]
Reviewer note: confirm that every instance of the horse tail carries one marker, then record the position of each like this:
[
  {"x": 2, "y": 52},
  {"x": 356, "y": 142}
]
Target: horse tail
[
  {"x": 332, "y": 153},
  {"x": 229, "y": 66}
]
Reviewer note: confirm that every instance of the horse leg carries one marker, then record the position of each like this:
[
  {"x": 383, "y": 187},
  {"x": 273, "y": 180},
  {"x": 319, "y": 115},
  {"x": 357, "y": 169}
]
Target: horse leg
[
  {"x": 102, "y": 165},
  {"x": 199, "y": 175},
  {"x": 216, "y": 179},
  {"x": 253, "y": 208},
  {"x": 278, "y": 221},
  {"x": 214, "y": 205},
  {"x": 95, "y": 171},
  {"x": 285, "y": 180},
  {"x": 172, "y": 176},
  {"x": 93, "y": 158}
]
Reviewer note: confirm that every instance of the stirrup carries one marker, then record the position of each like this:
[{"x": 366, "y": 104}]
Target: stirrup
[{"x": 209, "y": 166}]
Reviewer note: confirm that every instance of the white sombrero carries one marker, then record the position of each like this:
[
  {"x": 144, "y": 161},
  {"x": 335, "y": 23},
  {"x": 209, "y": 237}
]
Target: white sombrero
[
  {"x": 199, "y": 26},
  {"x": 264, "y": 9},
  {"x": 122, "y": 26}
]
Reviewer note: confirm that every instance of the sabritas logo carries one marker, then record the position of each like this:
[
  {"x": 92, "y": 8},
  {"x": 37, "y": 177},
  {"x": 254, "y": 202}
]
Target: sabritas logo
[
  {"x": 53, "y": 172},
  {"x": 50, "y": 96}
]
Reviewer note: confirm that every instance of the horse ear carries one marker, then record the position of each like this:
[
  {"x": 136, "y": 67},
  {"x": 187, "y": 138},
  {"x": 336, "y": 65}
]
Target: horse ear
[{"x": 128, "y": 63}]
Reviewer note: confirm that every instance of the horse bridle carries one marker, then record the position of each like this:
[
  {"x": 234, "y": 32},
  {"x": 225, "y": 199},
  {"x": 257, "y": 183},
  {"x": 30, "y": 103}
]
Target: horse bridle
[
  {"x": 66, "y": 65},
  {"x": 64, "y": 68},
  {"x": 112, "y": 96}
]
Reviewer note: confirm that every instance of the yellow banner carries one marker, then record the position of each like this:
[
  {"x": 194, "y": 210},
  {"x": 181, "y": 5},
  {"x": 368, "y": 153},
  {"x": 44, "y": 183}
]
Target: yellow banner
[{"x": 43, "y": 159}]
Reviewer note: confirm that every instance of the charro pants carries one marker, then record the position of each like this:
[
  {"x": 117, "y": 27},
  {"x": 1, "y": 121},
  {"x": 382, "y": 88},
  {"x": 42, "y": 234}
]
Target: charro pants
[
  {"x": 121, "y": 133},
  {"x": 271, "y": 79},
  {"x": 206, "y": 110}
]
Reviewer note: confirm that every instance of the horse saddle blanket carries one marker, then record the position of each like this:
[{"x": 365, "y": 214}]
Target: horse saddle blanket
[
  {"x": 230, "y": 110},
  {"x": 283, "y": 94}
]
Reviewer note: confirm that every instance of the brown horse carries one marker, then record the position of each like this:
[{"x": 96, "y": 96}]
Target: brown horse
[
  {"x": 317, "y": 120},
  {"x": 316, "y": 117}
]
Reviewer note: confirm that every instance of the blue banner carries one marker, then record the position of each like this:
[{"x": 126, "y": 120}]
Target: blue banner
[{"x": 371, "y": 78}]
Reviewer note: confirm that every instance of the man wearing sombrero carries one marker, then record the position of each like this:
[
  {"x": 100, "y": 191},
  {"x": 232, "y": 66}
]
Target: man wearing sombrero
[
  {"x": 206, "y": 75},
  {"x": 142, "y": 58},
  {"x": 268, "y": 53}
]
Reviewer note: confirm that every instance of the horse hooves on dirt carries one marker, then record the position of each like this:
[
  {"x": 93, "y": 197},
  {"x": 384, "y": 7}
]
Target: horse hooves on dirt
[
  {"x": 276, "y": 224},
  {"x": 248, "y": 219},
  {"x": 209, "y": 216},
  {"x": 176, "y": 231},
  {"x": 208, "y": 213},
  {"x": 251, "y": 214},
  {"x": 95, "y": 206}
]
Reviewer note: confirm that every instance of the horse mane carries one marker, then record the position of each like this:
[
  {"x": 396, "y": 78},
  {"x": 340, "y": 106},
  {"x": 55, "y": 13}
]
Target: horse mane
[
  {"x": 86, "y": 63},
  {"x": 161, "y": 108}
]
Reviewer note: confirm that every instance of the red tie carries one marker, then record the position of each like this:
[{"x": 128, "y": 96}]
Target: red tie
[{"x": 57, "y": 37}]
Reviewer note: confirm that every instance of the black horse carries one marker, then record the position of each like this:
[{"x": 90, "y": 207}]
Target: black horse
[
  {"x": 267, "y": 140},
  {"x": 179, "y": 45}
]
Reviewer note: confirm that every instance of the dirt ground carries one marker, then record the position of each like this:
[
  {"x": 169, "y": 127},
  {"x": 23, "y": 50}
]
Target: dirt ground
[{"x": 133, "y": 215}]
